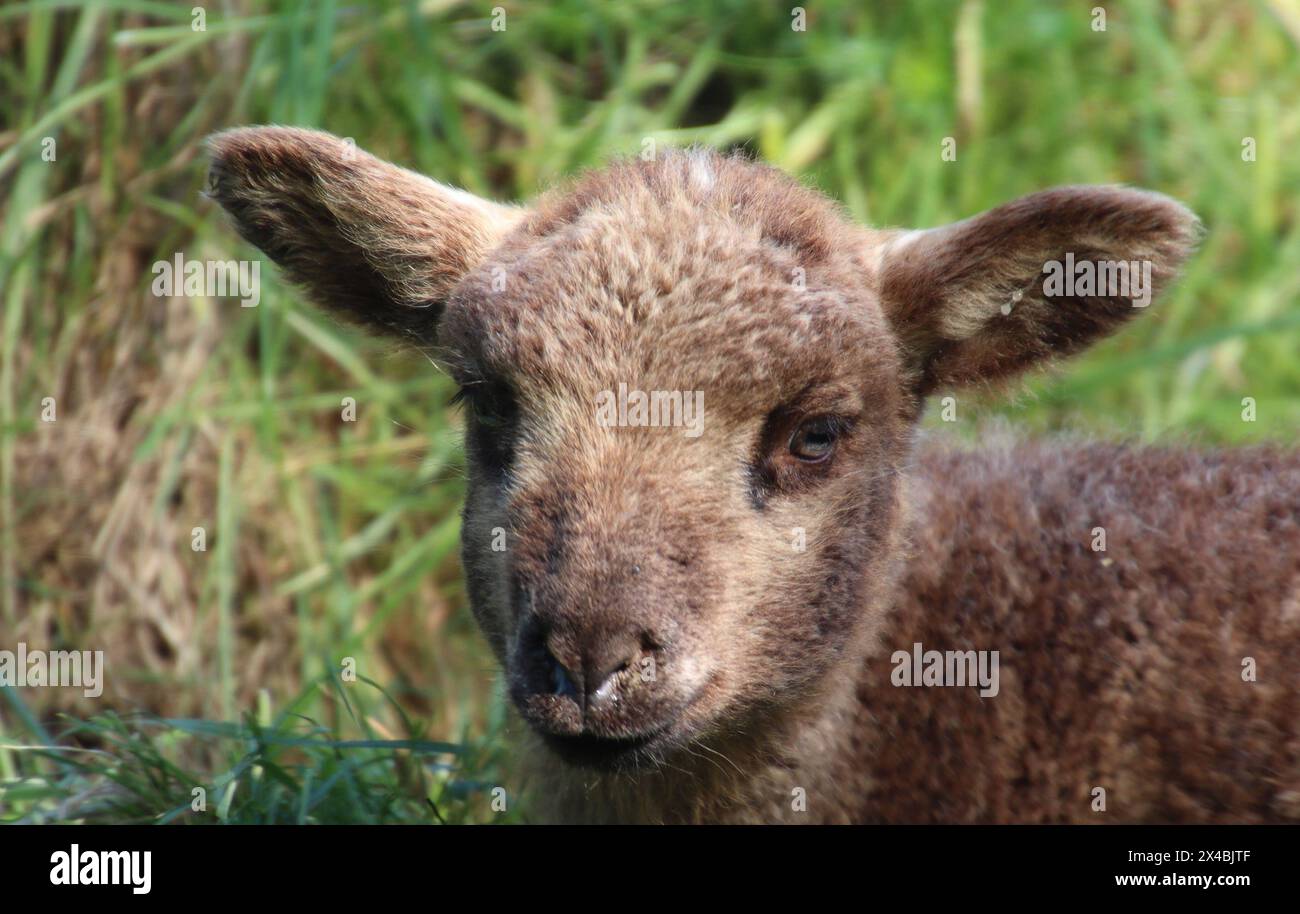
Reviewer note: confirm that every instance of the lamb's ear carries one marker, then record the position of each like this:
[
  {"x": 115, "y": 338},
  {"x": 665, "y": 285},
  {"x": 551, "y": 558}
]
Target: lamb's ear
[
  {"x": 982, "y": 299},
  {"x": 376, "y": 244}
]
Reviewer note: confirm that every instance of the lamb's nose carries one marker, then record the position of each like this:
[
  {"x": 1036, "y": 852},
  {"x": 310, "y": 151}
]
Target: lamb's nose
[{"x": 597, "y": 670}]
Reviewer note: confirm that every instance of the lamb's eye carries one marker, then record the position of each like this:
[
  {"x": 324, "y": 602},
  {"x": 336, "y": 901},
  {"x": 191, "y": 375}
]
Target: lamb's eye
[
  {"x": 491, "y": 404},
  {"x": 491, "y": 433},
  {"x": 814, "y": 440},
  {"x": 494, "y": 412}
]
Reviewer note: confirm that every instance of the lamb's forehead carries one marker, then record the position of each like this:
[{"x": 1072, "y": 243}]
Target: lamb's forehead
[{"x": 692, "y": 271}]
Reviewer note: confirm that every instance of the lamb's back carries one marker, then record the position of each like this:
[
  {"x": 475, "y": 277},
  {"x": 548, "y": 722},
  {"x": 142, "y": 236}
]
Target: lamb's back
[{"x": 1119, "y": 669}]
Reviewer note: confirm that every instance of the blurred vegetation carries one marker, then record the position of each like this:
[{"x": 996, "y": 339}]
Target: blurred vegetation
[{"x": 330, "y": 540}]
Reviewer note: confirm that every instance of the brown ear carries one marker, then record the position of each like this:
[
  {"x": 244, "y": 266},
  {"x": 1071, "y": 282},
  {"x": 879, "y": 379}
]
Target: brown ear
[
  {"x": 376, "y": 244},
  {"x": 985, "y": 298}
]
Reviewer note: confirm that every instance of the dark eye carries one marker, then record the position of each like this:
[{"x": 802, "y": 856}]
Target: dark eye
[
  {"x": 493, "y": 429},
  {"x": 814, "y": 440},
  {"x": 491, "y": 404},
  {"x": 495, "y": 410}
]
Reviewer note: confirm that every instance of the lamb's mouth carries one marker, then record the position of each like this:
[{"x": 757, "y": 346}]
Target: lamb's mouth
[
  {"x": 587, "y": 750},
  {"x": 646, "y": 749}
]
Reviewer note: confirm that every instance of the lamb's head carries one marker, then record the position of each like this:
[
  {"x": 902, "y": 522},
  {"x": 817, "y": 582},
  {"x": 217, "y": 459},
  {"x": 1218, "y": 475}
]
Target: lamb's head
[{"x": 690, "y": 387}]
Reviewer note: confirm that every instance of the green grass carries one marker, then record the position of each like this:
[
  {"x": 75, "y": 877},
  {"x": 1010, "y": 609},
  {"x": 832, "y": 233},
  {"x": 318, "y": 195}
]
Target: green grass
[
  {"x": 283, "y": 768},
  {"x": 327, "y": 539}
]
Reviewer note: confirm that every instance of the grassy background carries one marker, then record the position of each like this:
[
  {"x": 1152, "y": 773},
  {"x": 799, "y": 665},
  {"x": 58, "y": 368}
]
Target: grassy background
[{"x": 329, "y": 540}]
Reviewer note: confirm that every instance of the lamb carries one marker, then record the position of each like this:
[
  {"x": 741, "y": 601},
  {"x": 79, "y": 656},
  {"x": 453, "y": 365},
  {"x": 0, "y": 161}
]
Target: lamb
[{"x": 699, "y": 628}]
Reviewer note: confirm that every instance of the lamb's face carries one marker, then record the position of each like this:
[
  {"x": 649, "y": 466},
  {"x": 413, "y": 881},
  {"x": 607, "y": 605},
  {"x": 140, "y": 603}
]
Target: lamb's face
[
  {"x": 690, "y": 383},
  {"x": 649, "y": 577}
]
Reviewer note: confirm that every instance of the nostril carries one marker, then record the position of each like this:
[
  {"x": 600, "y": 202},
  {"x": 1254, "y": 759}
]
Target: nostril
[
  {"x": 561, "y": 681},
  {"x": 611, "y": 666},
  {"x": 547, "y": 674},
  {"x": 607, "y": 684}
]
